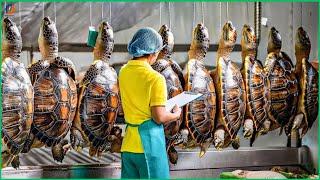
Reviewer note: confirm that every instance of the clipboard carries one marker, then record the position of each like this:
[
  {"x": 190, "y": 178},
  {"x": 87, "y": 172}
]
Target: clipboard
[{"x": 182, "y": 99}]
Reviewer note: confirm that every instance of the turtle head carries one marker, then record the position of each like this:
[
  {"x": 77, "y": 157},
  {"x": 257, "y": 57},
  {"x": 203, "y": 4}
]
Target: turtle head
[
  {"x": 105, "y": 42},
  {"x": 302, "y": 41},
  {"x": 229, "y": 35},
  {"x": 168, "y": 41},
  {"x": 11, "y": 40},
  {"x": 274, "y": 41},
  {"x": 200, "y": 40},
  {"x": 248, "y": 40},
  {"x": 48, "y": 38}
]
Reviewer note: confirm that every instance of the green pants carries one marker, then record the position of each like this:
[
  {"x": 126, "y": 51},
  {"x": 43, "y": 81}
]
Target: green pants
[{"x": 134, "y": 166}]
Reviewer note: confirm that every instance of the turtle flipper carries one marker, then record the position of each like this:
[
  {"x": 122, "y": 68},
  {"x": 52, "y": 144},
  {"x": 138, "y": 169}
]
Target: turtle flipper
[
  {"x": 15, "y": 162},
  {"x": 6, "y": 158},
  {"x": 35, "y": 68},
  {"x": 28, "y": 143},
  {"x": 77, "y": 141},
  {"x": 60, "y": 150},
  {"x": 205, "y": 146},
  {"x": 219, "y": 137},
  {"x": 236, "y": 143},
  {"x": 177, "y": 69},
  {"x": 66, "y": 64},
  {"x": 116, "y": 139},
  {"x": 173, "y": 155}
]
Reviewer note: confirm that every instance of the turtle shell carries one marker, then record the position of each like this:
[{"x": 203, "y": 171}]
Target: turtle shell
[
  {"x": 256, "y": 93},
  {"x": 55, "y": 101},
  {"x": 283, "y": 87},
  {"x": 308, "y": 99},
  {"x": 17, "y": 105},
  {"x": 173, "y": 88},
  {"x": 99, "y": 103},
  {"x": 200, "y": 113},
  {"x": 231, "y": 98}
]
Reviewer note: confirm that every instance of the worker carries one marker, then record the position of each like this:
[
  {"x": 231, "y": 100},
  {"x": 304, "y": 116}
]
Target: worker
[{"x": 143, "y": 95}]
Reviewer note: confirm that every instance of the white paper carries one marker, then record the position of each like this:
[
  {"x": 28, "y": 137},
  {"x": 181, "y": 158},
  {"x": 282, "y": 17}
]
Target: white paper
[{"x": 182, "y": 99}]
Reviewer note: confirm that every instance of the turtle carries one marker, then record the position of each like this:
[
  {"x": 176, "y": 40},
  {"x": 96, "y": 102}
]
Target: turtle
[
  {"x": 55, "y": 95},
  {"x": 172, "y": 73},
  {"x": 98, "y": 100},
  {"x": 307, "y": 110},
  {"x": 230, "y": 92},
  {"x": 199, "y": 114},
  {"x": 281, "y": 83},
  {"x": 17, "y": 96},
  {"x": 256, "y": 116}
]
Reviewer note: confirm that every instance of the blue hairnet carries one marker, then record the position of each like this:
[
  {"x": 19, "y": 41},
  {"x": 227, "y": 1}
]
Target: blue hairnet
[{"x": 145, "y": 41}]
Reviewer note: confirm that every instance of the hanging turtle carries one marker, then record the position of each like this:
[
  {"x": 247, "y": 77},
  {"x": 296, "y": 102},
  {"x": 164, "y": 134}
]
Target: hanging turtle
[
  {"x": 17, "y": 96},
  {"x": 281, "y": 83},
  {"x": 55, "y": 95},
  {"x": 307, "y": 75},
  {"x": 230, "y": 92},
  {"x": 256, "y": 117},
  {"x": 98, "y": 100},
  {"x": 171, "y": 71},
  {"x": 200, "y": 113}
]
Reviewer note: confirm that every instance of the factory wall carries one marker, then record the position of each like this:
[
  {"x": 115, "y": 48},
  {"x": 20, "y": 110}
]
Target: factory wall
[{"x": 278, "y": 15}]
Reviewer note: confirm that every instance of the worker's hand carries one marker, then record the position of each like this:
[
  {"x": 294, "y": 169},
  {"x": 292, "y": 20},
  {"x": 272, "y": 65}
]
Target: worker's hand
[{"x": 176, "y": 111}]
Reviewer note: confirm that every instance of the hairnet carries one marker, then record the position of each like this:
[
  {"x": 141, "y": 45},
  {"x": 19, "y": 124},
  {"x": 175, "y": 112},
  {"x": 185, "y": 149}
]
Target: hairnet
[{"x": 145, "y": 41}]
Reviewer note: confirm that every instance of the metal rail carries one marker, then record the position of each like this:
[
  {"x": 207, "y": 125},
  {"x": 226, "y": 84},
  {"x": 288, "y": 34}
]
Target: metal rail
[{"x": 189, "y": 164}]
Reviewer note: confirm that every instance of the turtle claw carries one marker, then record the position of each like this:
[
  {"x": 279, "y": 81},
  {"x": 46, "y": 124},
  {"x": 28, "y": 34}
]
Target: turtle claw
[
  {"x": 297, "y": 121},
  {"x": 236, "y": 143},
  {"x": 219, "y": 138},
  {"x": 204, "y": 147},
  {"x": 60, "y": 150},
  {"x": 77, "y": 141},
  {"x": 248, "y": 128}
]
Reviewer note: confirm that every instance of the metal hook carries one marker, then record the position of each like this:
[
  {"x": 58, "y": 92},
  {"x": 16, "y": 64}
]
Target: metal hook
[
  {"x": 160, "y": 13},
  {"x": 194, "y": 15},
  {"x": 102, "y": 11},
  {"x": 42, "y": 9},
  {"x": 90, "y": 14},
  {"x": 220, "y": 15},
  {"x": 169, "y": 14},
  {"x": 202, "y": 11},
  {"x": 110, "y": 12},
  {"x": 55, "y": 12}
]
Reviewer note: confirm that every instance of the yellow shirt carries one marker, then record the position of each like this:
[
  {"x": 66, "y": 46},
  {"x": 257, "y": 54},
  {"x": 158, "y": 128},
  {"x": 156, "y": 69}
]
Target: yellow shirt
[{"x": 140, "y": 88}]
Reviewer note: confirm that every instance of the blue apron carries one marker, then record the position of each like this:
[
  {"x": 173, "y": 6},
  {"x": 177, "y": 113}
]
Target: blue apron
[{"x": 153, "y": 142}]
